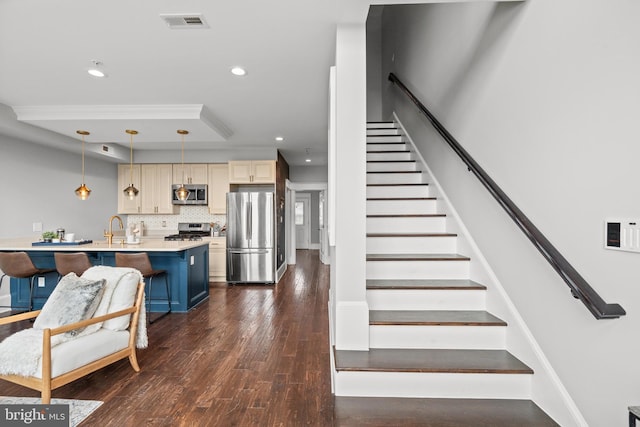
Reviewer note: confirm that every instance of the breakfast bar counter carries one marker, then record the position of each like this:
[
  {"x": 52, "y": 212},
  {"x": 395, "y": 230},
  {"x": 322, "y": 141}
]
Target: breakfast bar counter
[{"x": 186, "y": 262}]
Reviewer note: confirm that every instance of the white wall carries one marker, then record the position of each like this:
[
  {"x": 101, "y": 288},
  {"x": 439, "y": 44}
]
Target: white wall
[
  {"x": 351, "y": 309},
  {"x": 53, "y": 175},
  {"x": 545, "y": 95},
  {"x": 308, "y": 173}
]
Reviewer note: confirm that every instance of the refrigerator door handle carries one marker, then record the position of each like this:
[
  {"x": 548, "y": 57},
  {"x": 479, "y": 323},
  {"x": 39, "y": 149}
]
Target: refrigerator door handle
[{"x": 249, "y": 230}]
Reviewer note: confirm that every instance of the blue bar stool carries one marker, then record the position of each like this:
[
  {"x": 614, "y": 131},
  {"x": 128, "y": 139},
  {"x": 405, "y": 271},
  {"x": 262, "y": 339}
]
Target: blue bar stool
[{"x": 20, "y": 266}]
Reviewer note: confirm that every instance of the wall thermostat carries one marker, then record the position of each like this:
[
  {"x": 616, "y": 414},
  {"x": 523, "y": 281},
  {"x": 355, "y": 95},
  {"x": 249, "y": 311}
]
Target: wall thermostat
[{"x": 622, "y": 235}]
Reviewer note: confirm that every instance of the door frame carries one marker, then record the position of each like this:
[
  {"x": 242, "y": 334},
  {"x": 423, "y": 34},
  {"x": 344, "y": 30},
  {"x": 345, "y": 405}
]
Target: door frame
[
  {"x": 290, "y": 224},
  {"x": 306, "y": 199}
]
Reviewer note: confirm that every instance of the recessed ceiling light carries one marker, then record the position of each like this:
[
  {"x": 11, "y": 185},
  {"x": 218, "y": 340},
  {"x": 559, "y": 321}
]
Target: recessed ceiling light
[
  {"x": 238, "y": 71},
  {"x": 96, "y": 69},
  {"x": 279, "y": 138},
  {"x": 96, "y": 73},
  {"x": 307, "y": 160}
]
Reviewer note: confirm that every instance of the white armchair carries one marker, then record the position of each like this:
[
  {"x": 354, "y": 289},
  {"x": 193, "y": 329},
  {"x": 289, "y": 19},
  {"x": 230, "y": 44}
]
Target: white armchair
[{"x": 87, "y": 323}]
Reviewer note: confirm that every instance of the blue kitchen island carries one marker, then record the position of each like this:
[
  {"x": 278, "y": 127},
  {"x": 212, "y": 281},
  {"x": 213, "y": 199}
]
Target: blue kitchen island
[{"x": 186, "y": 262}]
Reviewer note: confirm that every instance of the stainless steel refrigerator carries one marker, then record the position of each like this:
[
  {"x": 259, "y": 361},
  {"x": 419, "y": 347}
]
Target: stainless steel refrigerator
[{"x": 250, "y": 237}]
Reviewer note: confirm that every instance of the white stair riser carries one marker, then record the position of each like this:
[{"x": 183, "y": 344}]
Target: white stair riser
[
  {"x": 417, "y": 270},
  {"x": 411, "y": 245},
  {"x": 444, "y": 385},
  {"x": 386, "y": 147},
  {"x": 393, "y": 207},
  {"x": 436, "y": 224},
  {"x": 402, "y": 155},
  {"x": 392, "y": 166},
  {"x": 394, "y": 178},
  {"x": 382, "y": 131},
  {"x": 381, "y": 125},
  {"x": 397, "y": 191},
  {"x": 386, "y": 138},
  {"x": 445, "y": 337},
  {"x": 420, "y": 299}
]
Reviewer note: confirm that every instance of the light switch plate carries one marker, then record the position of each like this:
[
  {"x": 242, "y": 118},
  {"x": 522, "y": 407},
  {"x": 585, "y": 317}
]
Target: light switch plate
[
  {"x": 622, "y": 234},
  {"x": 192, "y": 260},
  {"x": 41, "y": 282}
]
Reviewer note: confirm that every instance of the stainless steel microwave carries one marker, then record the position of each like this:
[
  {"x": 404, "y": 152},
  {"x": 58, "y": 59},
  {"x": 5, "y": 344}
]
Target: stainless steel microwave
[{"x": 197, "y": 194}]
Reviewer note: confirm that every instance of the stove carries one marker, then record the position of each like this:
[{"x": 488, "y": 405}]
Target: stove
[
  {"x": 191, "y": 231},
  {"x": 191, "y": 237}
]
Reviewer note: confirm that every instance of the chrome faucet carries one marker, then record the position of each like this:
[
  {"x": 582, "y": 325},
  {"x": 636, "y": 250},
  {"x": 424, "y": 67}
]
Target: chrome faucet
[{"x": 109, "y": 234}]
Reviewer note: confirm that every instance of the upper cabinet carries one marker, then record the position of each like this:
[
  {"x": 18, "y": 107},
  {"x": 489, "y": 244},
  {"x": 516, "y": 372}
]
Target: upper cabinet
[
  {"x": 252, "y": 172},
  {"x": 127, "y": 174},
  {"x": 155, "y": 189},
  {"x": 218, "y": 188},
  {"x": 194, "y": 173}
]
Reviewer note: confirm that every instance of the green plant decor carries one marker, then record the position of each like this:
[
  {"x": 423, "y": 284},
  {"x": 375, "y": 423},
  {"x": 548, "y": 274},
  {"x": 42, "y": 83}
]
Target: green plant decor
[{"x": 48, "y": 235}]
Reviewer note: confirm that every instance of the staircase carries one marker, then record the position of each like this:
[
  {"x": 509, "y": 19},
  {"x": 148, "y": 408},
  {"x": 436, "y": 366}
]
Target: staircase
[{"x": 431, "y": 337}]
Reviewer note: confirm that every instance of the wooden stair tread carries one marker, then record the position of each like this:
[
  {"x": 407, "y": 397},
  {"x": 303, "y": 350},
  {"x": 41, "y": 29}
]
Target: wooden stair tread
[
  {"x": 394, "y": 171},
  {"x": 405, "y": 215},
  {"x": 416, "y": 257},
  {"x": 434, "y": 318},
  {"x": 430, "y": 360},
  {"x": 391, "y": 161},
  {"x": 434, "y": 412},
  {"x": 429, "y": 284},
  {"x": 389, "y": 151},
  {"x": 396, "y": 185},
  {"x": 401, "y": 198},
  {"x": 411, "y": 235}
]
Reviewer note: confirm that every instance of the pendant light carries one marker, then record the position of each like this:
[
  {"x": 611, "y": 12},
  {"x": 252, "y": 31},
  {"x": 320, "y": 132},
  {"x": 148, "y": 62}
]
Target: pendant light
[
  {"x": 182, "y": 193},
  {"x": 83, "y": 191},
  {"x": 131, "y": 191}
]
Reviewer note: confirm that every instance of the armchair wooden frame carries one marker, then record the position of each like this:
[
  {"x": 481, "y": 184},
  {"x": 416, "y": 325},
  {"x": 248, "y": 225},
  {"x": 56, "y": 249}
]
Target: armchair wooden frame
[{"x": 46, "y": 383}]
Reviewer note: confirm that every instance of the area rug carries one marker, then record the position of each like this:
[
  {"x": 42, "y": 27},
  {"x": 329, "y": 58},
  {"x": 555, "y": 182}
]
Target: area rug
[{"x": 78, "y": 409}]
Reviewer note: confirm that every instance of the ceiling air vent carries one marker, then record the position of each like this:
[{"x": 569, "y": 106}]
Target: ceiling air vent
[{"x": 184, "y": 20}]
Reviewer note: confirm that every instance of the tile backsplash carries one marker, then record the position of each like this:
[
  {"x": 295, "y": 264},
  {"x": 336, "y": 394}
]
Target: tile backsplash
[{"x": 166, "y": 224}]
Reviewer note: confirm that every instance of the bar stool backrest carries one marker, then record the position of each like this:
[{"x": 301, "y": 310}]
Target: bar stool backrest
[
  {"x": 17, "y": 264},
  {"x": 139, "y": 261},
  {"x": 76, "y": 262}
]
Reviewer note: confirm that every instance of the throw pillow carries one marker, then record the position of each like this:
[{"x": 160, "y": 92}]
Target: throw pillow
[{"x": 73, "y": 299}]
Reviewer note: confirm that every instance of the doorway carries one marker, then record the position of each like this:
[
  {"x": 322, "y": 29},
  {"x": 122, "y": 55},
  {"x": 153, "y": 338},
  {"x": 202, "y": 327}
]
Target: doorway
[{"x": 302, "y": 218}]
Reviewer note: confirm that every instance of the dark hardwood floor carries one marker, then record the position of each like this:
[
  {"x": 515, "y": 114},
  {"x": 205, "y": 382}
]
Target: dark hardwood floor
[
  {"x": 249, "y": 355},
  {"x": 254, "y": 356}
]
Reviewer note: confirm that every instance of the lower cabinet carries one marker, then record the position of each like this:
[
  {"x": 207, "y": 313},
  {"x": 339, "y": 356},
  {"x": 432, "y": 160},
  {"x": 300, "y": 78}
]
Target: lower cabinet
[{"x": 218, "y": 259}]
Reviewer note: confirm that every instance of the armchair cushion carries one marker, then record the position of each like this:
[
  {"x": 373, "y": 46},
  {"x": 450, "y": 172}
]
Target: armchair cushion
[
  {"x": 72, "y": 354},
  {"x": 73, "y": 299}
]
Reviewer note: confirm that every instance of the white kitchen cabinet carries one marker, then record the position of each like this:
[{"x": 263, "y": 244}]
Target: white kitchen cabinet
[
  {"x": 125, "y": 175},
  {"x": 194, "y": 173},
  {"x": 218, "y": 188},
  {"x": 155, "y": 191},
  {"x": 252, "y": 172},
  {"x": 218, "y": 259}
]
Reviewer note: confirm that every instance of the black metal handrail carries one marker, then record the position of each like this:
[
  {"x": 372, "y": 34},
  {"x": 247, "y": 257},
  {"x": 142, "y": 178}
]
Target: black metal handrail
[{"x": 579, "y": 287}]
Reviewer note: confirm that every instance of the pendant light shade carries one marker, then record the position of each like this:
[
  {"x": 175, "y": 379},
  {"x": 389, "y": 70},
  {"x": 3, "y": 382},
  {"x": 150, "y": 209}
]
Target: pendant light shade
[
  {"x": 131, "y": 191},
  {"x": 83, "y": 191},
  {"x": 182, "y": 193}
]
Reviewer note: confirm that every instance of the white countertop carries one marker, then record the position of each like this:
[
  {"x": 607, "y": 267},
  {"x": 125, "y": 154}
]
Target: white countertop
[{"x": 150, "y": 245}]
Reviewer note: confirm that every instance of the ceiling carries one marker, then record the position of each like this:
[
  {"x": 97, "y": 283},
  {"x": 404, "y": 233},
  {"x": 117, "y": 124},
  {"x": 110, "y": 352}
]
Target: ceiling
[{"x": 161, "y": 79}]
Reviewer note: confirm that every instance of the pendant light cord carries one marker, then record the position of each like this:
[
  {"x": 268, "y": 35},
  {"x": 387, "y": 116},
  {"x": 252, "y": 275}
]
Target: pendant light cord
[
  {"x": 82, "y": 159},
  {"x": 182, "y": 135},
  {"x": 131, "y": 158}
]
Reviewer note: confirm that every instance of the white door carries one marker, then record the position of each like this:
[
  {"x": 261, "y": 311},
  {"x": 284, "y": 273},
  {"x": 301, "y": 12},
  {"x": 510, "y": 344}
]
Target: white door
[{"x": 302, "y": 220}]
